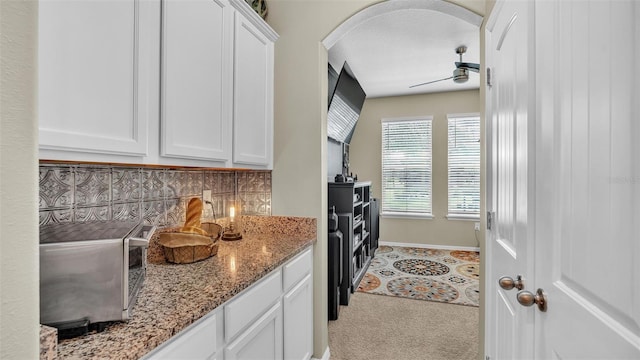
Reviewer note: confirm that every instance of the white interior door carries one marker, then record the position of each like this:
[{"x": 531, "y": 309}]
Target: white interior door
[
  {"x": 588, "y": 179},
  {"x": 509, "y": 326},
  {"x": 581, "y": 181}
]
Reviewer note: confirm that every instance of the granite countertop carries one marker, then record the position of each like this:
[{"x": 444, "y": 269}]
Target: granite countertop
[
  {"x": 48, "y": 342},
  {"x": 174, "y": 296}
]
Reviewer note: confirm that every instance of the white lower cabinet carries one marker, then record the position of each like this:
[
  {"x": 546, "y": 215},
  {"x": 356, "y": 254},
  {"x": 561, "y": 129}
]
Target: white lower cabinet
[
  {"x": 246, "y": 307},
  {"x": 201, "y": 340},
  {"x": 298, "y": 306},
  {"x": 298, "y": 321},
  {"x": 262, "y": 340},
  {"x": 272, "y": 319}
]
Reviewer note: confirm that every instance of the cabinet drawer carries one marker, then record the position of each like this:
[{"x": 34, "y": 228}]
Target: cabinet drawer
[
  {"x": 252, "y": 303},
  {"x": 296, "y": 269},
  {"x": 198, "y": 341}
]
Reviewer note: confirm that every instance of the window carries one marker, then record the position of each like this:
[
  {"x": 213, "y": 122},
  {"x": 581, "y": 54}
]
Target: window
[
  {"x": 406, "y": 167},
  {"x": 464, "y": 166}
]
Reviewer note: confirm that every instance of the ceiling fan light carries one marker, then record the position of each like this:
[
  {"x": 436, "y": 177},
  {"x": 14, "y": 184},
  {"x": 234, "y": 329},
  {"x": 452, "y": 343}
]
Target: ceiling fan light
[{"x": 460, "y": 75}]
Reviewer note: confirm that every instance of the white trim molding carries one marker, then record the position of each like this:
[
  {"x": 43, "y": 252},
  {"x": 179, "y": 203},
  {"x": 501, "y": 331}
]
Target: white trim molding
[
  {"x": 246, "y": 10},
  {"x": 464, "y": 217},
  {"x": 415, "y": 216},
  {"x": 325, "y": 356},
  {"x": 429, "y": 246},
  {"x": 372, "y": 11}
]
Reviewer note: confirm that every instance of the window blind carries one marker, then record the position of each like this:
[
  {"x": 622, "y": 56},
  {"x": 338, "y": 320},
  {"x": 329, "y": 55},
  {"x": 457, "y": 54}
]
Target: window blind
[
  {"x": 406, "y": 166},
  {"x": 464, "y": 165}
]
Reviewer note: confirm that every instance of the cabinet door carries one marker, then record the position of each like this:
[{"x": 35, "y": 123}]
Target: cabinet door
[
  {"x": 298, "y": 321},
  {"x": 196, "y": 82},
  {"x": 262, "y": 340},
  {"x": 92, "y": 77},
  {"x": 253, "y": 96}
]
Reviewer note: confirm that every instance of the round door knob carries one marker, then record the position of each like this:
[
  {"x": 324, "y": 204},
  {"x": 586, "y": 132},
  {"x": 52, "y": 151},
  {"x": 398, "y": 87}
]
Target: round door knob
[
  {"x": 527, "y": 298},
  {"x": 508, "y": 283}
]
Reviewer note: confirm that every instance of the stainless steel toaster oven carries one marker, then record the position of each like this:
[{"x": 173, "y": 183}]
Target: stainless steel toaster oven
[{"x": 90, "y": 273}]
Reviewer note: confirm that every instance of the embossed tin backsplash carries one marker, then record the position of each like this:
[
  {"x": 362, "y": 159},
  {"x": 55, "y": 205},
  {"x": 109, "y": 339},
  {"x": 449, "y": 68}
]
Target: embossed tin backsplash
[{"x": 78, "y": 193}]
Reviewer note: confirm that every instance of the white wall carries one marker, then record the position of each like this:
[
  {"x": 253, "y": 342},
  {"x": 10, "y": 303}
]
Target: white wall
[
  {"x": 299, "y": 184},
  {"x": 366, "y": 158},
  {"x": 299, "y": 176},
  {"x": 19, "y": 288}
]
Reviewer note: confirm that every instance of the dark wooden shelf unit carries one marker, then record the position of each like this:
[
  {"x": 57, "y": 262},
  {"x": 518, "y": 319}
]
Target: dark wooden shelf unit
[{"x": 352, "y": 201}]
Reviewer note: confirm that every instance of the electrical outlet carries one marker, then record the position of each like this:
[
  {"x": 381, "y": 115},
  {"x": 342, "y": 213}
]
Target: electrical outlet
[
  {"x": 206, "y": 196},
  {"x": 477, "y": 226}
]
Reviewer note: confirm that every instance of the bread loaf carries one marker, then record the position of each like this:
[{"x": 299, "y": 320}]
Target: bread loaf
[
  {"x": 192, "y": 222},
  {"x": 194, "y": 212}
]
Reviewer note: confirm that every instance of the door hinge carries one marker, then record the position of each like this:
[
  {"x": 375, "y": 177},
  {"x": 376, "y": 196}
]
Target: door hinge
[
  {"x": 489, "y": 217},
  {"x": 489, "y": 77}
]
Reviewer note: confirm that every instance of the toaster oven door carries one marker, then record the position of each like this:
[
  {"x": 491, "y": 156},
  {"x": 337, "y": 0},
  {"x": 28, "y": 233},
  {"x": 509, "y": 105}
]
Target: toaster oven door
[
  {"x": 136, "y": 262},
  {"x": 81, "y": 280}
]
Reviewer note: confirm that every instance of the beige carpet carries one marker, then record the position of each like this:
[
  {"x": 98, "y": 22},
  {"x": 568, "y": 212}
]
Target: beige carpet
[{"x": 378, "y": 327}]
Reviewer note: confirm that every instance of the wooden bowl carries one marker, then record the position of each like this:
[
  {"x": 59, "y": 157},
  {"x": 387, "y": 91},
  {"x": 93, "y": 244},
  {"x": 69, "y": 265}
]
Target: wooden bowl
[
  {"x": 186, "y": 248},
  {"x": 214, "y": 230}
]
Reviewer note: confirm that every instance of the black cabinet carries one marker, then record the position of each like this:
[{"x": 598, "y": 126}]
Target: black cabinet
[{"x": 352, "y": 201}]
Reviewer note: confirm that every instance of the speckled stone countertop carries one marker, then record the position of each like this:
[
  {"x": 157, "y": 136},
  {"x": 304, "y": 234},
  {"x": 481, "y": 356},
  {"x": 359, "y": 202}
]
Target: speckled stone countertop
[
  {"x": 48, "y": 342},
  {"x": 174, "y": 296}
]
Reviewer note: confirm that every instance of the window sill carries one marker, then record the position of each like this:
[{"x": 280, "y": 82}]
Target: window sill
[
  {"x": 407, "y": 216},
  {"x": 463, "y": 217}
]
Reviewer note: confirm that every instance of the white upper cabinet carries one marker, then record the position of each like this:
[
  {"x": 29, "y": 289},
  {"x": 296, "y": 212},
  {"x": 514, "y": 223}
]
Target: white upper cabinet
[
  {"x": 93, "y": 78},
  {"x": 172, "y": 82},
  {"x": 196, "y": 79},
  {"x": 253, "y": 91}
]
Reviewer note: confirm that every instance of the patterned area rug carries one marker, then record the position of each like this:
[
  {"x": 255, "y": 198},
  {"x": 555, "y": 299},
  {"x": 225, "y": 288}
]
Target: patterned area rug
[{"x": 450, "y": 276}]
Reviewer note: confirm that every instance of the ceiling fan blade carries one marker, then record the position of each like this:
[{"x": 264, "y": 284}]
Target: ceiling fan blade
[
  {"x": 431, "y": 82},
  {"x": 469, "y": 66}
]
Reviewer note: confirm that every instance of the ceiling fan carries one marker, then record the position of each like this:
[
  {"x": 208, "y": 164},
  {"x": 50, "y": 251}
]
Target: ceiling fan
[{"x": 461, "y": 73}]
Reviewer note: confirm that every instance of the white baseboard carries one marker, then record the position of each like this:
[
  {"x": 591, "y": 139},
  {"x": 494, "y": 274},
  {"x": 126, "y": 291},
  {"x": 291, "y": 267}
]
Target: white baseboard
[
  {"x": 429, "y": 246},
  {"x": 325, "y": 356}
]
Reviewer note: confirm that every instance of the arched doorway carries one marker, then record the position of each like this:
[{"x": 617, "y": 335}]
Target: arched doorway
[
  {"x": 373, "y": 14},
  {"x": 299, "y": 178}
]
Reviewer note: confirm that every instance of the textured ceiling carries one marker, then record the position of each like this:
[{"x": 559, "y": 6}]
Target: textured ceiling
[{"x": 393, "y": 48}]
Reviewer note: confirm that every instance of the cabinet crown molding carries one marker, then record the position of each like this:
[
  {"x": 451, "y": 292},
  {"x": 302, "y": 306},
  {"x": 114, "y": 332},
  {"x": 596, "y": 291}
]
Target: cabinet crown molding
[{"x": 246, "y": 10}]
